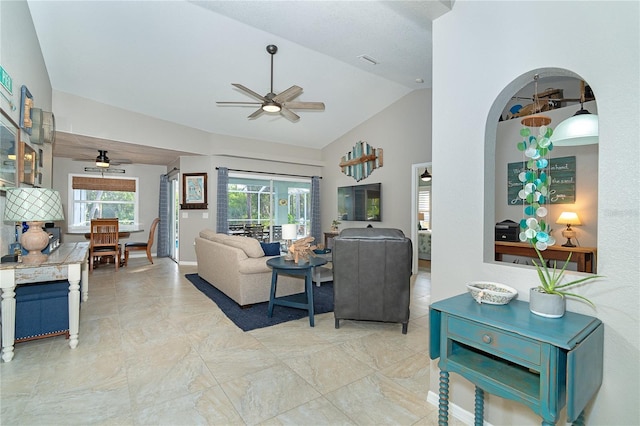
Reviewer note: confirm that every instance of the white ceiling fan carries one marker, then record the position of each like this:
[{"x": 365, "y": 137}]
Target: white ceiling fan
[{"x": 281, "y": 103}]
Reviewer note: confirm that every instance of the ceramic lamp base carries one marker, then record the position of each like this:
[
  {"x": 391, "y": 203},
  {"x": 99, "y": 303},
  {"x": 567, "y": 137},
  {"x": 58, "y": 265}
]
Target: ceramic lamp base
[{"x": 34, "y": 240}]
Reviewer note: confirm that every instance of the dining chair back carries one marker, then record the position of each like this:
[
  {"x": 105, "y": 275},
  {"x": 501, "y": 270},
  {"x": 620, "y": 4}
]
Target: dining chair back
[
  {"x": 142, "y": 246},
  {"x": 104, "y": 240}
]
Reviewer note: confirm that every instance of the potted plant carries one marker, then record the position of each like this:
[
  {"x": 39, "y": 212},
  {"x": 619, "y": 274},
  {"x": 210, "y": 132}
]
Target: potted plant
[
  {"x": 548, "y": 299},
  {"x": 334, "y": 225}
]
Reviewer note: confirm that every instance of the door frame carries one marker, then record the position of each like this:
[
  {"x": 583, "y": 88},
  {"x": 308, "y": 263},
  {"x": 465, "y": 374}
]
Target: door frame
[{"x": 415, "y": 175}]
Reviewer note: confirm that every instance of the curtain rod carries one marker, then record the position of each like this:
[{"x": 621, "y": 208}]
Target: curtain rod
[{"x": 268, "y": 173}]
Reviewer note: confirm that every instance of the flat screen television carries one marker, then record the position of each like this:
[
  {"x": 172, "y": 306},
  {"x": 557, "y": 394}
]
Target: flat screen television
[{"x": 360, "y": 202}]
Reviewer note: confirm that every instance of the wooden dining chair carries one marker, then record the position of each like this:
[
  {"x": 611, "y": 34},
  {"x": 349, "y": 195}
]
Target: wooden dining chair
[
  {"x": 142, "y": 245},
  {"x": 104, "y": 240}
]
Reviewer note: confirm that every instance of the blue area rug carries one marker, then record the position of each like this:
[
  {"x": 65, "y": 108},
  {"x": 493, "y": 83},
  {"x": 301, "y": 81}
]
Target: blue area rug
[{"x": 256, "y": 316}]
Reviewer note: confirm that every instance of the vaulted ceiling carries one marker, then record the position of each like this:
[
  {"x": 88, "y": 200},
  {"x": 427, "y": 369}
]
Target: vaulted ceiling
[{"x": 173, "y": 60}]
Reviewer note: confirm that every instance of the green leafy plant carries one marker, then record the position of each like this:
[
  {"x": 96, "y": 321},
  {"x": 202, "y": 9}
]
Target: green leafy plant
[
  {"x": 550, "y": 279},
  {"x": 335, "y": 223}
]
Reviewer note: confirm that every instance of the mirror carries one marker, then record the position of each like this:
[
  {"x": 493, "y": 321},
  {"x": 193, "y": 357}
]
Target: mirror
[
  {"x": 9, "y": 137},
  {"x": 572, "y": 171}
]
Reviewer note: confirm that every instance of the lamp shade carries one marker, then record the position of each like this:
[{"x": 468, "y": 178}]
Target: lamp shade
[
  {"x": 289, "y": 231},
  {"x": 568, "y": 218},
  {"x": 33, "y": 205},
  {"x": 581, "y": 129},
  {"x": 426, "y": 176}
]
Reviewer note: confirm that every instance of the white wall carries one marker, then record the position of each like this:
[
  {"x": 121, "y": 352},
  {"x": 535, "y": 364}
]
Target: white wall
[
  {"x": 403, "y": 131},
  {"x": 494, "y": 44},
  {"x": 21, "y": 57}
]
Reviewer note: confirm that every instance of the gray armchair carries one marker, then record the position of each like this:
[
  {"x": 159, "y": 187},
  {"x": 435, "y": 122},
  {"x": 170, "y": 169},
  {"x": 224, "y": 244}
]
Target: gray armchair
[{"x": 371, "y": 275}]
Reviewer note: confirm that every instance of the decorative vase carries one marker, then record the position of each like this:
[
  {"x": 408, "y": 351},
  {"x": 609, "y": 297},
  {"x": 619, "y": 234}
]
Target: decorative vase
[{"x": 546, "y": 305}]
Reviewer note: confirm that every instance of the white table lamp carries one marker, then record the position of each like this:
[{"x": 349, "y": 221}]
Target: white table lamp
[
  {"x": 569, "y": 218},
  {"x": 34, "y": 206}
]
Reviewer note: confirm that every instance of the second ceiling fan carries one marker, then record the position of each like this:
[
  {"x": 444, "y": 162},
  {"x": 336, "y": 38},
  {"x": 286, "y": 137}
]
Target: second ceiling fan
[{"x": 281, "y": 103}]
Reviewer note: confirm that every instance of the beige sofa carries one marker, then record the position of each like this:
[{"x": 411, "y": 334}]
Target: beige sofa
[{"x": 238, "y": 267}]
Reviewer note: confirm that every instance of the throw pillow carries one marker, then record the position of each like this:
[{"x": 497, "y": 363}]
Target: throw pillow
[{"x": 271, "y": 249}]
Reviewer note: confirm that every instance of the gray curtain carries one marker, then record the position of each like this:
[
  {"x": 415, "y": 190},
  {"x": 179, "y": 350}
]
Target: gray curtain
[
  {"x": 222, "y": 225},
  {"x": 316, "y": 229},
  {"x": 164, "y": 214}
]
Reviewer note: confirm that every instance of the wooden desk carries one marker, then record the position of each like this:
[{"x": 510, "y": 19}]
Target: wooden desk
[
  {"x": 507, "y": 351},
  {"x": 68, "y": 262},
  {"x": 585, "y": 257}
]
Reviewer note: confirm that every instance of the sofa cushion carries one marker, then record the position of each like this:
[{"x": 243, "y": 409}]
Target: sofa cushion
[
  {"x": 250, "y": 246},
  {"x": 211, "y": 235},
  {"x": 271, "y": 249}
]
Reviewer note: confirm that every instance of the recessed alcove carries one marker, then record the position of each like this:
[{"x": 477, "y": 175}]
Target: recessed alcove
[{"x": 575, "y": 191}]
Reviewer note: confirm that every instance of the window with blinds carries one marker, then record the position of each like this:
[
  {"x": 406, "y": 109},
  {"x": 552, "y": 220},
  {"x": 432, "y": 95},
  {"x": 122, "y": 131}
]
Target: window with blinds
[
  {"x": 95, "y": 197},
  {"x": 424, "y": 207}
]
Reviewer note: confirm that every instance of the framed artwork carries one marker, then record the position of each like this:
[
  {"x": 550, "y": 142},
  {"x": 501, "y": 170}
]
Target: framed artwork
[
  {"x": 194, "y": 191},
  {"x": 562, "y": 188},
  {"x": 28, "y": 167}
]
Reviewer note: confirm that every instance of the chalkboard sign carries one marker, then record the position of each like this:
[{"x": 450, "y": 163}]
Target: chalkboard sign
[{"x": 563, "y": 181}]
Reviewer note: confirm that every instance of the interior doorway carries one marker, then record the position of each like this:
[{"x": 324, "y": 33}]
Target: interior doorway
[{"x": 421, "y": 223}]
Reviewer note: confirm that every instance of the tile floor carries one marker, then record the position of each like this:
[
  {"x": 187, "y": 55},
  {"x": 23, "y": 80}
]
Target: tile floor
[{"x": 154, "y": 350}]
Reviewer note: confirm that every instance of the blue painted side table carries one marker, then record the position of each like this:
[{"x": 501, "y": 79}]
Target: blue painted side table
[
  {"x": 509, "y": 352},
  {"x": 289, "y": 267}
]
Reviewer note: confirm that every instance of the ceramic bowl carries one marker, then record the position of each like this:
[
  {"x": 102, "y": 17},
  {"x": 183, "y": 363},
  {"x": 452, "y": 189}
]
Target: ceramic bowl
[{"x": 491, "y": 293}]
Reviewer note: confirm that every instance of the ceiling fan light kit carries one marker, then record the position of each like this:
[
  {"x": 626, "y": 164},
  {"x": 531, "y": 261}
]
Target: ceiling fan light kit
[
  {"x": 102, "y": 160},
  {"x": 272, "y": 103}
]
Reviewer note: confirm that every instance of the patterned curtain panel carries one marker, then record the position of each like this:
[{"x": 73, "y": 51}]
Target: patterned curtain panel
[
  {"x": 222, "y": 225},
  {"x": 163, "y": 214},
  {"x": 316, "y": 231}
]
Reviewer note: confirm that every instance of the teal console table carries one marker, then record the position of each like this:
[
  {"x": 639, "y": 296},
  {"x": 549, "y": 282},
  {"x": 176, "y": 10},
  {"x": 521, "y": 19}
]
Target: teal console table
[{"x": 507, "y": 351}]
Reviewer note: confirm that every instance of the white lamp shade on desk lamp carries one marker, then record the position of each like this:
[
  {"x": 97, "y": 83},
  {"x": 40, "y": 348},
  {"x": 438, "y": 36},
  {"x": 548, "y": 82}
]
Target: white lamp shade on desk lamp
[
  {"x": 568, "y": 218},
  {"x": 34, "y": 206}
]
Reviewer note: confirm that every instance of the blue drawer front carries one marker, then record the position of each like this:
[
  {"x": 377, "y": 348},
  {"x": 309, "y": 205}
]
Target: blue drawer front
[
  {"x": 494, "y": 341},
  {"x": 42, "y": 309}
]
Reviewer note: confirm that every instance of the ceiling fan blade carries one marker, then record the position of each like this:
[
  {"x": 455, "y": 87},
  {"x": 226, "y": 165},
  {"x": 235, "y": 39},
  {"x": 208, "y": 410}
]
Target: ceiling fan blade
[
  {"x": 239, "y": 103},
  {"x": 249, "y": 91},
  {"x": 305, "y": 105},
  {"x": 290, "y": 115},
  {"x": 256, "y": 114},
  {"x": 290, "y": 93}
]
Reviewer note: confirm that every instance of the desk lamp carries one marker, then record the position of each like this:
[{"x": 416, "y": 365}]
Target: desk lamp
[
  {"x": 568, "y": 218},
  {"x": 34, "y": 206}
]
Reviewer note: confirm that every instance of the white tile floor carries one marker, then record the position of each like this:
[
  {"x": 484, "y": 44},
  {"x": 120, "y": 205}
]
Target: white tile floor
[{"x": 154, "y": 350}]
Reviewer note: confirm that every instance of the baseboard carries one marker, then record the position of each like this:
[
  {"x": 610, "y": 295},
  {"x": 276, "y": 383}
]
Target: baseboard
[
  {"x": 187, "y": 263},
  {"x": 456, "y": 411}
]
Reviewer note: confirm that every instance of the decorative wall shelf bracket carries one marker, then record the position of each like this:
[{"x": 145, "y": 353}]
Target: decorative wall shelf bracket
[{"x": 361, "y": 161}]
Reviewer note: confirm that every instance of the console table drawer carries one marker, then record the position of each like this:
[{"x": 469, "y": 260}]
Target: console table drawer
[{"x": 495, "y": 341}]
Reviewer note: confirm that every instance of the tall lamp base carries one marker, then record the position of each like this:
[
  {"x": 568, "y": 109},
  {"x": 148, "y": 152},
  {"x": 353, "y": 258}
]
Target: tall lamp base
[
  {"x": 568, "y": 243},
  {"x": 34, "y": 240}
]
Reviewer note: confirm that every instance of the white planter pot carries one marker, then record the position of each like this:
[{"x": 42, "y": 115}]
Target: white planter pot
[{"x": 546, "y": 305}]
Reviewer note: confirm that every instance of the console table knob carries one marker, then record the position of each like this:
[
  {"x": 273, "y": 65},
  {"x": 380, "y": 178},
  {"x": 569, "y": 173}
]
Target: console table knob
[{"x": 486, "y": 338}]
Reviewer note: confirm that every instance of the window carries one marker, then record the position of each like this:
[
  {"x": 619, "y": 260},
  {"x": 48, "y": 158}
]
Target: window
[
  {"x": 91, "y": 198},
  {"x": 424, "y": 207},
  {"x": 269, "y": 202}
]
